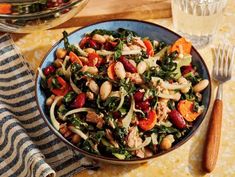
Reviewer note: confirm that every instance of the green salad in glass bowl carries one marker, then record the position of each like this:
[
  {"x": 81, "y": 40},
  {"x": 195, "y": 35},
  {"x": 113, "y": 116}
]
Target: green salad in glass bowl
[{"x": 32, "y": 15}]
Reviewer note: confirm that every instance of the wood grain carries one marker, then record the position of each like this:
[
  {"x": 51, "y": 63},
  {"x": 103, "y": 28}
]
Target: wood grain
[
  {"x": 100, "y": 10},
  {"x": 213, "y": 137}
]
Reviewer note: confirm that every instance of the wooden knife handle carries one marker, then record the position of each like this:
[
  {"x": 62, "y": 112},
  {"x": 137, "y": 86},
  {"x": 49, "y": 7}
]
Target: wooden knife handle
[{"x": 213, "y": 137}]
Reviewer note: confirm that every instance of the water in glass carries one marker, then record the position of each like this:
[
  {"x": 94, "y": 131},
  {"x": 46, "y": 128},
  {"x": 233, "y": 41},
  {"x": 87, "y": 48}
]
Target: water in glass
[{"x": 198, "y": 20}]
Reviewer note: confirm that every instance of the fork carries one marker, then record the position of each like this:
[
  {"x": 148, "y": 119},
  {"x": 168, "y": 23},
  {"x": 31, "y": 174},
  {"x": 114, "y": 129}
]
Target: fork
[{"x": 222, "y": 72}]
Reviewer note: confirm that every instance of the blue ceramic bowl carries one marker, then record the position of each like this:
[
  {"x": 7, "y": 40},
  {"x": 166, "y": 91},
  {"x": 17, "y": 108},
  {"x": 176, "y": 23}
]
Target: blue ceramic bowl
[{"x": 143, "y": 29}]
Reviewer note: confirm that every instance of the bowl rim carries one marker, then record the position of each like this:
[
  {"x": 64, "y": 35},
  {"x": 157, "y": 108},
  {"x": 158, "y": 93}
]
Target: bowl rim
[
  {"x": 139, "y": 160},
  {"x": 43, "y": 13}
]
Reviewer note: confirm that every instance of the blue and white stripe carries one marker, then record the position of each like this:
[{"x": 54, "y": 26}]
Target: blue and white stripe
[{"x": 27, "y": 146}]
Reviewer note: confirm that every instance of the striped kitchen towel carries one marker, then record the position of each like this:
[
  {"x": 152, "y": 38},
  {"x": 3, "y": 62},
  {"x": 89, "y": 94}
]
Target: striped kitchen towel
[{"x": 27, "y": 146}]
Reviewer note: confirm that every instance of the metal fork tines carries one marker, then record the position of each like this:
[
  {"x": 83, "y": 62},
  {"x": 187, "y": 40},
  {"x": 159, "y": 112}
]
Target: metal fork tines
[{"x": 223, "y": 64}]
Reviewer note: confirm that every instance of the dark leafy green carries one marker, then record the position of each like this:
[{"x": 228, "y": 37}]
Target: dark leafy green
[
  {"x": 89, "y": 146},
  {"x": 62, "y": 110},
  {"x": 126, "y": 34},
  {"x": 55, "y": 83},
  {"x": 75, "y": 67},
  {"x": 196, "y": 106},
  {"x": 77, "y": 121},
  {"x": 97, "y": 136},
  {"x": 119, "y": 134},
  {"x": 118, "y": 50},
  {"x": 128, "y": 86},
  {"x": 157, "y": 72},
  {"x": 171, "y": 104},
  {"x": 160, "y": 46},
  {"x": 69, "y": 97},
  {"x": 69, "y": 47},
  {"x": 168, "y": 63},
  {"x": 194, "y": 79},
  {"x": 111, "y": 103},
  {"x": 104, "y": 32}
]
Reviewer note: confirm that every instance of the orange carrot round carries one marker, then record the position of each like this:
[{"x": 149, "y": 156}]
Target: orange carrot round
[
  {"x": 149, "y": 123},
  {"x": 182, "y": 44},
  {"x": 111, "y": 71},
  {"x": 185, "y": 108},
  {"x": 75, "y": 58},
  {"x": 5, "y": 8}
]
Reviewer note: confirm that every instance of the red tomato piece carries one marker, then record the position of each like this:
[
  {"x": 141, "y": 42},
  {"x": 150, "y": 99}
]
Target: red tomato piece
[
  {"x": 94, "y": 44},
  {"x": 138, "y": 96},
  {"x": 144, "y": 106},
  {"x": 94, "y": 59},
  {"x": 63, "y": 90},
  {"x": 79, "y": 101},
  {"x": 84, "y": 41}
]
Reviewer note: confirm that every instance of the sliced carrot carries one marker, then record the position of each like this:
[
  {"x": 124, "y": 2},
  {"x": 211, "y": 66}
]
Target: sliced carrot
[
  {"x": 185, "y": 108},
  {"x": 111, "y": 71},
  {"x": 149, "y": 123},
  {"x": 75, "y": 58},
  {"x": 149, "y": 46},
  {"x": 5, "y": 8},
  {"x": 182, "y": 46}
]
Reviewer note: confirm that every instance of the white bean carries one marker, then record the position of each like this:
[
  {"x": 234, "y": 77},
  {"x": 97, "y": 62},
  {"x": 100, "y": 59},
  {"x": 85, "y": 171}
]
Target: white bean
[
  {"x": 133, "y": 62},
  {"x": 105, "y": 90},
  {"x": 57, "y": 63},
  {"x": 83, "y": 59},
  {"x": 199, "y": 96},
  {"x": 164, "y": 100},
  {"x": 141, "y": 67},
  {"x": 182, "y": 80},
  {"x": 61, "y": 53},
  {"x": 89, "y": 69},
  {"x": 201, "y": 85},
  {"x": 99, "y": 38},
  {"x": 176, "y": 96},
  {"x": 120, "y": 70},
  {"x": 90, "y": 95},
  {"x": 167, "y": 142},
  {"x": 49, "y": 101},
  {"x": 89, "y": 50},
  {"x": 93, "y": 86}
]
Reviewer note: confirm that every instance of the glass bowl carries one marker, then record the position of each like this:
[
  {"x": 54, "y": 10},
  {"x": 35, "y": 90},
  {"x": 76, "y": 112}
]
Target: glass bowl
[{"x": 32, "y": 15}]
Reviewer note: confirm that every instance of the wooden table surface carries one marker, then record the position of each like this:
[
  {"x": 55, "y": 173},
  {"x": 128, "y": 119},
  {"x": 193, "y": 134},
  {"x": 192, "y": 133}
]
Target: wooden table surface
[{"x": 186, "y": 160}]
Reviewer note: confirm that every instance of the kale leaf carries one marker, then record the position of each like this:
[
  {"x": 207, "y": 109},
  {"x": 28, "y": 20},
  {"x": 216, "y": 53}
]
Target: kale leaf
[
  {"x": 111, "y": 103},
  {"x": 69, "y": 47},
  {"x": 119, "y": 134},
  {"x": 104, "y": 32},
  {"x": 118, "y": 50},
  {"x": 77, "y": 122},
  {"x": 69, "y": 97}
]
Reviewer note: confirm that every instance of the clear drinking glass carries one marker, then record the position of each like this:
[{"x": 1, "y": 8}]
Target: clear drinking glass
[{"x": 198, "y": 20}]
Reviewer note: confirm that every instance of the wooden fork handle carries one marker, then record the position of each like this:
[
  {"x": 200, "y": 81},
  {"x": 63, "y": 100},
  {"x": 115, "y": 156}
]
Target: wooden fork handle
[{"x": 213, "y": 137}]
